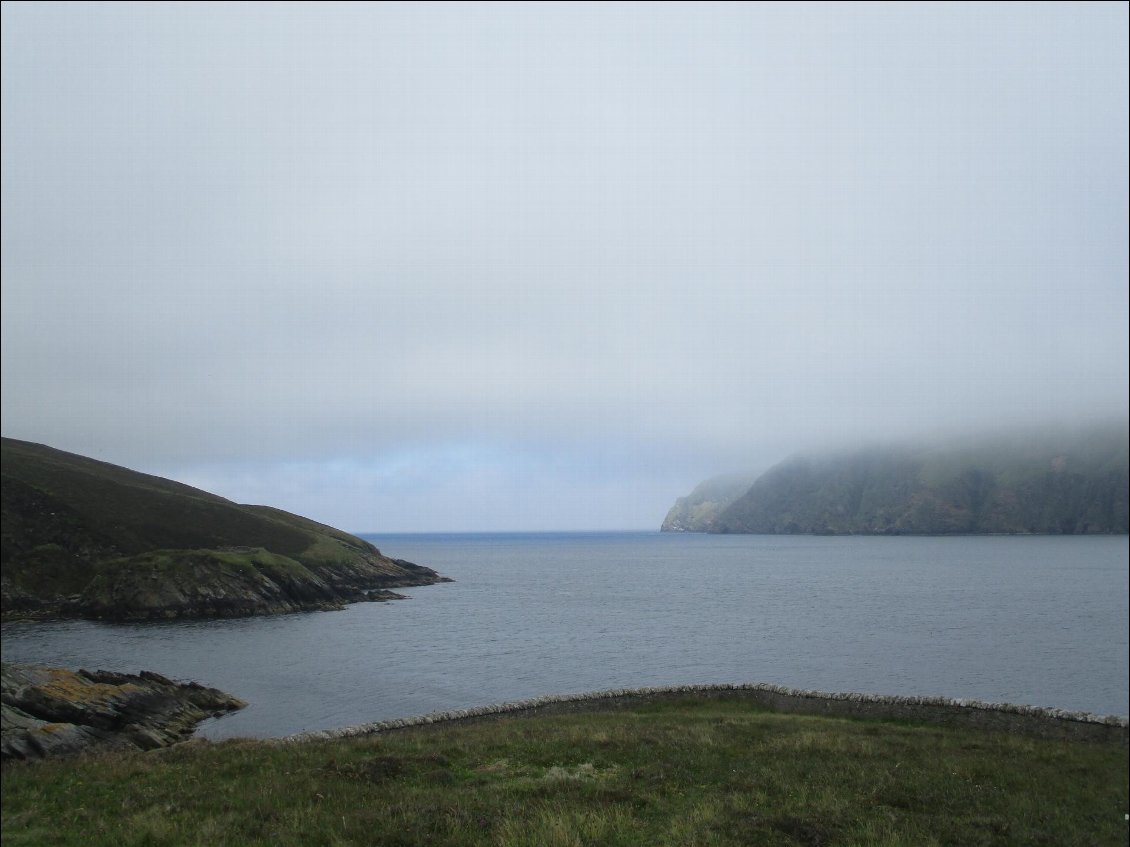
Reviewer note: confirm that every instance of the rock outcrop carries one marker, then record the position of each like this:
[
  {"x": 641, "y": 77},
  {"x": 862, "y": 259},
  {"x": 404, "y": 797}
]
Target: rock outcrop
[{"x": 52, "y": 712}]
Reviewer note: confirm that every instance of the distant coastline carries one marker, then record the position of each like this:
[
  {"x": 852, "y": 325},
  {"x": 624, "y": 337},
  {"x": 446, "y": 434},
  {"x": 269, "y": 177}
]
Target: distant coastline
[{"x": 1027, "y": 482}]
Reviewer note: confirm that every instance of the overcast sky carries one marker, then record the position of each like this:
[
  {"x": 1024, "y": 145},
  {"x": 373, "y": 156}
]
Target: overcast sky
[{"x": 486, "y": 267}]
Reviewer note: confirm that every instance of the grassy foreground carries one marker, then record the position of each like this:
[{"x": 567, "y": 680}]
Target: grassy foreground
[{"x": 678, "y": 773}]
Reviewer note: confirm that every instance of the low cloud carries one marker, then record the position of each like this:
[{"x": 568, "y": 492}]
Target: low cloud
[{"x": 597, "y": 253}]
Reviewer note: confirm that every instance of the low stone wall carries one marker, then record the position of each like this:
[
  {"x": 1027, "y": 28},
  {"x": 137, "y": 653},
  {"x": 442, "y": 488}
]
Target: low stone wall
[{"x": 1000, "y": 717}]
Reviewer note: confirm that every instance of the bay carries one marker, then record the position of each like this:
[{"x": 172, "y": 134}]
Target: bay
[{"x": 1034, "y": 620}]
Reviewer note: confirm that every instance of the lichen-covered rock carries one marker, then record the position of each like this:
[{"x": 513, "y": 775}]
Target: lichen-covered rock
[{"x": 50, "y": 712}]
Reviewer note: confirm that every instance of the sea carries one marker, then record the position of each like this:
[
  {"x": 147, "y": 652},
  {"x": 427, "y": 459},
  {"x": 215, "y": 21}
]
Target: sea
[{"x": 1041, "y": 621}]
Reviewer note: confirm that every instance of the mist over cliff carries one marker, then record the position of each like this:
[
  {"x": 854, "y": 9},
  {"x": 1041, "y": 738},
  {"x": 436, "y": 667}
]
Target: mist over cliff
[
  {"x": 1039, "y": 481},
  {"x": 699, "y": 511},
  {"x": 403, "y": 267}
]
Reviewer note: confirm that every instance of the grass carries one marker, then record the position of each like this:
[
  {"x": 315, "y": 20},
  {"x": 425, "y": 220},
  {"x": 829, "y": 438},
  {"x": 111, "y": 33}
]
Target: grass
[
  {"x": 692, "y": 772},
  {"x": 167, "y": 564}
]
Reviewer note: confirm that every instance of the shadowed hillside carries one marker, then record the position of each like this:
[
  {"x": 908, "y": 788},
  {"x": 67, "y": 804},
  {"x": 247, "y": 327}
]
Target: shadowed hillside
[
  {"x": 1037, "y": 481},
  {"x": 81, "y": 537}
]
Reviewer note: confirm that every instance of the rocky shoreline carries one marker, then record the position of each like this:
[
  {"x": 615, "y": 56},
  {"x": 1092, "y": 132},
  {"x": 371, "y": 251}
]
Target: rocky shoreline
[
  {"x": 53, "y": 712},
  {"x": 234, "y": 582}
]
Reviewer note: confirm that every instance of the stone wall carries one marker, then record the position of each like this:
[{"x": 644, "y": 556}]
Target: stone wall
[{"x": 1001, "y": 717}]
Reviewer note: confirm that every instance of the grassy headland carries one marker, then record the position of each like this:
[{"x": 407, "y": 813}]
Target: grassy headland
[
  {"x": 709, "y": 771},
  {"x": 86, "y": 538}
]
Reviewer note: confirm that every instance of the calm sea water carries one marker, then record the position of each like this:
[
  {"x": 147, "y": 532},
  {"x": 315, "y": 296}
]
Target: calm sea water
[{"x": 1041, "y": 621}]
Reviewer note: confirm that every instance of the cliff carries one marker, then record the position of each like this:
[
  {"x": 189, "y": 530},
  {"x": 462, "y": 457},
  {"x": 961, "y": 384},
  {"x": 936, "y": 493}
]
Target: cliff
[
  {"x": 1033, "y": 482},
  {"x": 79, "y": 537}
]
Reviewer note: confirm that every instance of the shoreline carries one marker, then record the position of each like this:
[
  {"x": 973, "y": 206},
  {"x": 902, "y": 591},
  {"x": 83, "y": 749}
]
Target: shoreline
[{"x": 1037, "y": 721}]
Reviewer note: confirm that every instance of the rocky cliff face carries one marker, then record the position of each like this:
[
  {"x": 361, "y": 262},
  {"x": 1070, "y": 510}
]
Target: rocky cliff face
[
  {"x": 52, "y": 712},
  {"x": 86, "y": 538}
]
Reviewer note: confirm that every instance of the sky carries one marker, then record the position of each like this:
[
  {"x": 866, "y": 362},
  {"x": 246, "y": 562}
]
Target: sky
[{"x": 481, "y": 267}]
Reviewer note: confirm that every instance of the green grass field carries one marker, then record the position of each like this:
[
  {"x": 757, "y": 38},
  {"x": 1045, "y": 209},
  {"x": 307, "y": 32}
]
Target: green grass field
[{"x": 691, "y": 772}]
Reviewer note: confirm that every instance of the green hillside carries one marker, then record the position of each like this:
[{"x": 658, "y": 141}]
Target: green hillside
[
  {"x": 83, "y": 537},
  {"x": 1038, "y": 481}
]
